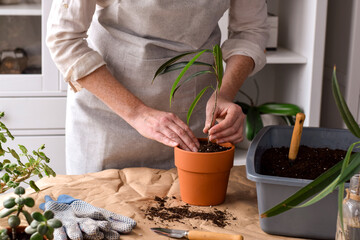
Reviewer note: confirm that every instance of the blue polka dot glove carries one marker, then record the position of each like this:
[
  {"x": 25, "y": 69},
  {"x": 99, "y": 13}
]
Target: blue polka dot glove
[{"x": 84, "y": 221}]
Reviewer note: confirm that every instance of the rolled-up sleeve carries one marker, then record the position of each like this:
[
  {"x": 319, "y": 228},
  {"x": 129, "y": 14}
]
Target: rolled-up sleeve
[
  {"x": 67, "y": 28},
  {"x": 248, "y": 31}
]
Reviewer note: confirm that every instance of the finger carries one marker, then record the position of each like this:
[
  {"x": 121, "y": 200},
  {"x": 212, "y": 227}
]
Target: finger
[
  {"x": 186, "y": 134},
  {"x": 226, "y": 131},
  {"x": 103, "y": 225},
  {"x": 88, "y": 226},
  {"x": 121, "y": 227},
  {"x": 175, "y": 129},
  {"x": 60, "y": 234},
  {"x": 171, "y": 134},
  {"x": 73, "y": 231},
  {"x": 97, "y": 236},
  {"x": 160, "y": 137},
  {"x": 124, "y": 219},
  {"x": 111, "y": 235}
]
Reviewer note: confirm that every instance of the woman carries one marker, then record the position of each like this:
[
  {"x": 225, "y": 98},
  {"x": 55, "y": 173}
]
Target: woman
[{"x": 109, "y": 50}]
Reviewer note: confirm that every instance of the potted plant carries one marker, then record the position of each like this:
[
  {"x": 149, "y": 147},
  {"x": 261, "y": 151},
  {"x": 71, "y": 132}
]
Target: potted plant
[
  {"x": 257, "y": 115},
  {"x": 40, "y": 226},
  {"x": 314, "y": 218},
  {"x": 16, "y": 171},
  {"x": 203, "y": 176}
]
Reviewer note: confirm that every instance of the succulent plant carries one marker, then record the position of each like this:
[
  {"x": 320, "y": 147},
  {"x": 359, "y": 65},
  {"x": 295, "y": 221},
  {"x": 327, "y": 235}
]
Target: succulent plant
[{"x": 39, "y": 225}]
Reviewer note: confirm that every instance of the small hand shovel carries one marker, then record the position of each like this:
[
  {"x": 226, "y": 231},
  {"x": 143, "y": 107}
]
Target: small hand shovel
[
  {"x": 195, "y": 235},
  {"x": 296, "y": 136}
]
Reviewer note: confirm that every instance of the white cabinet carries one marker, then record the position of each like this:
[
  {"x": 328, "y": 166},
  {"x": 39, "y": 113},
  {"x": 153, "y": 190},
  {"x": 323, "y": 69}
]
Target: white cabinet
[
  {"x": 294, "y": 72},
  {"x": 32, "y": 94}
]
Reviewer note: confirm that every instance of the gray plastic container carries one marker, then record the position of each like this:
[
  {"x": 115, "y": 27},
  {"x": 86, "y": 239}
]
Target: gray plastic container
[{"x": 317, "y": 221}]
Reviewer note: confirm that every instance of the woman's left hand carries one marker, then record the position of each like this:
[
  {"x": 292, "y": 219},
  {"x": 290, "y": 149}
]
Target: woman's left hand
[{"x": 230, "y": 118}]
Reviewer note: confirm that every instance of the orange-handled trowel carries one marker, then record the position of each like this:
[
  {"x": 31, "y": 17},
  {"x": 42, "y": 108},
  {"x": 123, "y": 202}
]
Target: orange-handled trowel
[{"x": 195, "y": 235}]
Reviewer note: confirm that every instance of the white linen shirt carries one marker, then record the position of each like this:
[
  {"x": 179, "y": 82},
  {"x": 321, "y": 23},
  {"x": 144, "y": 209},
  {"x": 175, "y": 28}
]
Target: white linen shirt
[{"x": 69, "y": 21}]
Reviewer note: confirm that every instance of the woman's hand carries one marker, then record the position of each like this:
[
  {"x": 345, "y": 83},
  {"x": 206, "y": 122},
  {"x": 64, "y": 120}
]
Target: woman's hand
[
  {"x": 230, "y": 118},
  {"x": 166, "y": 128}
]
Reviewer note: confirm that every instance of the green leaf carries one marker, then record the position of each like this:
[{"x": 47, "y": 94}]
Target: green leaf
[
  {"x": 183, "y": 72},
  {"x": 340, "y": 205},
  {"x": 38, "y": 217},
  {"x": 23, "y": 149},
  {"x": 6, "y": 177},
  {"x": 13, "y": 221},
  {"x": 343, "y": 108},
  {"x": 36, "y": 236},
  {"x": 28, "y": 217},
  {"x": 286, "y": 109},
  {"x": 48, "y": 214},
  {"x": 6, "y": 212},
  {"x": 14, "y": 154},
  {"x": 2, "y": 138},
  {"x": 290, "y": 121},
  {"x": 168, "y": 63},
  {"x": 33, "y": 186},
  {"x": 55, "y": 223},
  {"x": 218, "y": 64},
  {"x": 253, "y": 123},
  {"x": 181, "y": 65},
  {"x": 196, "y": 100},
  {"x": 191, "y": 77},
  {"x": 29, "y": 230}
]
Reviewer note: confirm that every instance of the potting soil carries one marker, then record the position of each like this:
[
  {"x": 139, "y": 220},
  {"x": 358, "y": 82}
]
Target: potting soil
[
  {"x": 309, "y": 164},
  {"x": 206, "y": 146},
  {"x": 163, "y": 213}
]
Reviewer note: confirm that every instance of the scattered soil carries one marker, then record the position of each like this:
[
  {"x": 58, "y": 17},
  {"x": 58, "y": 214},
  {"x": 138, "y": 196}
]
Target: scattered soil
[
  {"x": 309, "y": 164},
  {"x": 206, "y": 146},
  {"x": 163, "y": 213}
]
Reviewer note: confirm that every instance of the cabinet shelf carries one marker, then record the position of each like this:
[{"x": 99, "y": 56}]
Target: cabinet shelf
[
  {"x": 20, "y": 10},
  {"x": 284, "y": 56}
]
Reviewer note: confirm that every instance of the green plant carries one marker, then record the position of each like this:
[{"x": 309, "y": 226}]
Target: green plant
[
  {"x": 253, "y": 112},
  {"x": 16, "y": 172},
  {"x": 333, "y": 178},
  {"x": 40, "y": 225},
  {"x": 216, "y": 69}
]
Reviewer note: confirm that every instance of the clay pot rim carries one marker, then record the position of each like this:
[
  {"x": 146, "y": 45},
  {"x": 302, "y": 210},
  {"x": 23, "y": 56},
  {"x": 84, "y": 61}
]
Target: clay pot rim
[{"x": 222, "y": 152}]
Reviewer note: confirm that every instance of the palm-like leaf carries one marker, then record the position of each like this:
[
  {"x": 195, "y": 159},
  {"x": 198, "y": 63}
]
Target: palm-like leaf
[
  {"x": 181, "y": 65},
  {"x": 169, "y": 62},
  {"x": 196, "y": 100},
  {"x": 343, "y": 108},
  {"x": 190, "y": 63},
  {"x": 283, "y": 109},
  {"x": 191, "y": 77}
]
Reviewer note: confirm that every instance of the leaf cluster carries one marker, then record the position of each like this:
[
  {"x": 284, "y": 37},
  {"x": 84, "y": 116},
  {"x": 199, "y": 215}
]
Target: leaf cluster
[
  {"x": 216, "y": 68},
  {"x": 333, "y": 178},
  {"x": 16, "y": 171},
  {"x": 40, "y": 225}
]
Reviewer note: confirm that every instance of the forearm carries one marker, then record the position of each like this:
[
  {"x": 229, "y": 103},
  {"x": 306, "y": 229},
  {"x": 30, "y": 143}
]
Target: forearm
[
  {"x": 104, "y": 86},
  {"x": 238, "y": 68}
]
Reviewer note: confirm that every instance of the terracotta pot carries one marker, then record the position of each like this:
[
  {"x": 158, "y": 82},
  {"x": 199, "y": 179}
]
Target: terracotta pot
[
  {"x": 20, "y": 230},
  {"x": 204, "y": 177}
]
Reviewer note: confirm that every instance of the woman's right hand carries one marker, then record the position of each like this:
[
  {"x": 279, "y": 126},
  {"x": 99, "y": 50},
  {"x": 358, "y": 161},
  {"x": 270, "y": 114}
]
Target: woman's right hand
[{"x": 164, "y": 127}]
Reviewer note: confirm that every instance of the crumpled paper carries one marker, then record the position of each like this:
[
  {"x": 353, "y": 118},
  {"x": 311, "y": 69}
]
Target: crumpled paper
[{"x": 131, "y": 191}]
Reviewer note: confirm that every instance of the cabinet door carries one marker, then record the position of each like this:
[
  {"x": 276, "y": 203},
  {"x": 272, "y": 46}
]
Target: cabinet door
[
  {"x": 36, "y": 113},
  {"x": 25, "y": 62}
]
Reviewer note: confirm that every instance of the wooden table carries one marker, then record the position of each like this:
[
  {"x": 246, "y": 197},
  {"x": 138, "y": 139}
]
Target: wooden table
[{"x": 131, "y": 191}]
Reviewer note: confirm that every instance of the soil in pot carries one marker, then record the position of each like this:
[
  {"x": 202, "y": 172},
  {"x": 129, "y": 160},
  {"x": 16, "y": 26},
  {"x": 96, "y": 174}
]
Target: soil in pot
[
  {"x": 20, "y": 233},
  {"x": 309, "y": 164},
  {"x": 206, "y": 146}
]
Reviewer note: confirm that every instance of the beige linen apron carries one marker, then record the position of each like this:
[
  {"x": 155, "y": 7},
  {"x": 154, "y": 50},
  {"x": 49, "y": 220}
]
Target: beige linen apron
[{"x": 135, "y": 37}]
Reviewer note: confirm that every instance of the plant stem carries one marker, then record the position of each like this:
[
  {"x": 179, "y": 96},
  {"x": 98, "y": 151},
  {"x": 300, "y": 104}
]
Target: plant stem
[{"x": 213, "y": 111}]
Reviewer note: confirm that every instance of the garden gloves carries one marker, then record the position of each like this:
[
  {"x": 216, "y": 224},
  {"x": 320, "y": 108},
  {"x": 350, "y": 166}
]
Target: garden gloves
[{"x": 83, "y": 221}]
